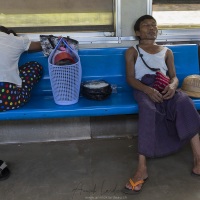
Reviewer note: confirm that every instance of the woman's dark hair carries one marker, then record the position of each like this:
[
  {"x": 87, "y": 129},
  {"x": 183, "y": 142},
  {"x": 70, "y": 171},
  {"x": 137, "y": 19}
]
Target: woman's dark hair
[
  {"x": 6, "y": 30},
  {"x": 141, "y": 19}
]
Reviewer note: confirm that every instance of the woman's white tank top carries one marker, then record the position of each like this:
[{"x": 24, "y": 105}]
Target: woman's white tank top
[{"x": 156, "y": 60}]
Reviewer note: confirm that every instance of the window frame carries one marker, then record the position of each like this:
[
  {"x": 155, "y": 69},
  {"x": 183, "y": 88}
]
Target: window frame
[
  {"x": 171, "y": 35},
  {"x": 92, "y": 37}
]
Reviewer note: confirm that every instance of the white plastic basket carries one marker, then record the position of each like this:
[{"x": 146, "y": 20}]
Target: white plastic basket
[{"x": 65, "y": 79}]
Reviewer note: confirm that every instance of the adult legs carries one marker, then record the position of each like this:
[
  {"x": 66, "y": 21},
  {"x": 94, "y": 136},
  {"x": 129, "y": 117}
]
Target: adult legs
[
  {"x": 141, "y": 171},
  {"x": 195, "y": 144}
]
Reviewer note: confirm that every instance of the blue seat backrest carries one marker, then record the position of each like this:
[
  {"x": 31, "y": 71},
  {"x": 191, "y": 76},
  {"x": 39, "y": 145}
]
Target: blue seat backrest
[
  {"x": 109, "y": 63},
  {"x": 100, "y": 63},
  {"x": 104, "y": 63},
  {"x": 186, "y": 60},
  {"x": 95, "y": 62}
]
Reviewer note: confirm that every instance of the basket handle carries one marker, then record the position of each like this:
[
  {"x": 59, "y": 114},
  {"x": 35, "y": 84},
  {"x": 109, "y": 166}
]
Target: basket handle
[{"x": 64, "y": 41}]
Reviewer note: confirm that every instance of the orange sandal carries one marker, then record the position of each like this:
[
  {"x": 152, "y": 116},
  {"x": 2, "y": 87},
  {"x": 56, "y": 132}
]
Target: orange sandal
[{"x": 134, "y": 184}]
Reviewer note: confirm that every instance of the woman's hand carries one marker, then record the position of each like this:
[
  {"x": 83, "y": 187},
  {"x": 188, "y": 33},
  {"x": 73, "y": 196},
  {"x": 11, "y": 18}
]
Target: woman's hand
[
  {"x": 168, "y": 92},
  {"x": 155, "y": 95}
]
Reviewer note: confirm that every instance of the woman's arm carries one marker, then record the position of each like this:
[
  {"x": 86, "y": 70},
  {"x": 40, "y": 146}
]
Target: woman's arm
[
  {"x": 131, "y": 56},
  {"x": 169, "y": 91},
  {"x": 35, "y": 46}
]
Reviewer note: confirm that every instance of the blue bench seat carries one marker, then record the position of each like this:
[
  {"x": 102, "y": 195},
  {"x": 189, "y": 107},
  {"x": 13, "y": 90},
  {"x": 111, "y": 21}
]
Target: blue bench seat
[{"x": 97, "y": 64}]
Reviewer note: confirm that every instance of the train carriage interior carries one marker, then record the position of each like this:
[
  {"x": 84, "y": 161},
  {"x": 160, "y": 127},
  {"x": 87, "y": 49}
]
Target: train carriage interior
[{"x": 91, "y": 155}]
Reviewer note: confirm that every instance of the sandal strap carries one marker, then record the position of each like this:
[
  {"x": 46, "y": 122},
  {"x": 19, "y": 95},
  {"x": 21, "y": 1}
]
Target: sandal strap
[
  {"x": 3, "y": 166},
  {"x": 136, "y": 183}
]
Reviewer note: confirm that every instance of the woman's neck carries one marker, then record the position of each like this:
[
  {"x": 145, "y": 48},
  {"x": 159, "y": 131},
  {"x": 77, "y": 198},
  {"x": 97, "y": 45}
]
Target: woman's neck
[{"x": 147, "y": 42}]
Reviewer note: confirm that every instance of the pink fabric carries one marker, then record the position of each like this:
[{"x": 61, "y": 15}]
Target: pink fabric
[{"x": 161, "y": 81}]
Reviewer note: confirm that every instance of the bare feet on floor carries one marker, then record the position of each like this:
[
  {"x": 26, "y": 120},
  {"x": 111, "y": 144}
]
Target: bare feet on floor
[{"x": 196, "y": 168}]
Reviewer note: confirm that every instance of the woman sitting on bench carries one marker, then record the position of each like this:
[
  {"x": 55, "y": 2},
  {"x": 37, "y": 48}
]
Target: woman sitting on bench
[
  {"x": 15, "y": 83},
  {"x": 167, "y": 118}
]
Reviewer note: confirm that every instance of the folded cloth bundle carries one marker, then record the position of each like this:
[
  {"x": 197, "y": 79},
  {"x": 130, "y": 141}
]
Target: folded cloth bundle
[{"x": 49, "y": 42}]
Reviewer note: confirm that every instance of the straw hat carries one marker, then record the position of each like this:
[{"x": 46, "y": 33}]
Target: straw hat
[{"x": 191, "y": 86}]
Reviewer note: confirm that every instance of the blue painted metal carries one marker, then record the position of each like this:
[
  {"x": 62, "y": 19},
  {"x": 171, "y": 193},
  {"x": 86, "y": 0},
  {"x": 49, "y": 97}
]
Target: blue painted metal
[{"x": 99, "y": 63}]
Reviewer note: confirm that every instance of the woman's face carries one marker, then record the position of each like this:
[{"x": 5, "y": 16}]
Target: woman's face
[{"x": 148, "y": 30}]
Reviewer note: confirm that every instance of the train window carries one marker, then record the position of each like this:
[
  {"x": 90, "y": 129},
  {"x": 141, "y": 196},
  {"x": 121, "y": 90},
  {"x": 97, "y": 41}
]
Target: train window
[
  {"x": 177, "y": 14},
  {"x": 58, "y": 16}
]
